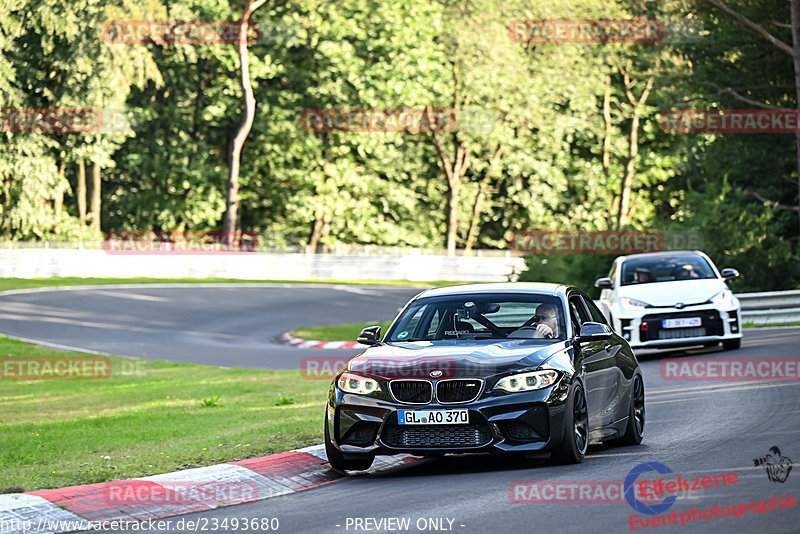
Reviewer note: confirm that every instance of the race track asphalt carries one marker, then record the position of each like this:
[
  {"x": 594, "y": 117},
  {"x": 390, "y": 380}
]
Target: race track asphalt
[
  {"x": 226, "y": 325},
  {"x": 695, "y": 428}
]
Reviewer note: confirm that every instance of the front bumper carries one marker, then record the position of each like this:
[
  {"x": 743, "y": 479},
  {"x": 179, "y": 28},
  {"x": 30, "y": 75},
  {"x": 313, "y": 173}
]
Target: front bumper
[
  {"x": 529, "y": 422},
  {"x": 643, "y": 329}
]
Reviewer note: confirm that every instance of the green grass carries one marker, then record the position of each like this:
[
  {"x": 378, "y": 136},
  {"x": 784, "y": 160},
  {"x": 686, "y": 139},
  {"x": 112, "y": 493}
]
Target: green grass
[
  {"x": 149, "y": 417},
  {"x": 29, "y": 283},
  {"x": 750, "y": 324},
  {"x": 338, "y": 332}
]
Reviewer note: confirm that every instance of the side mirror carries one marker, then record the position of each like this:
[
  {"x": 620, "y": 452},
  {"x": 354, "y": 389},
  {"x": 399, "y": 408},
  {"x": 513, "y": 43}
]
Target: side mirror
[
  {"x": 594, "y": 332},
  {"x": 729, "y": 273},
  {"x": 604, "y": 283},
  {"x": 371, "y": 335}
]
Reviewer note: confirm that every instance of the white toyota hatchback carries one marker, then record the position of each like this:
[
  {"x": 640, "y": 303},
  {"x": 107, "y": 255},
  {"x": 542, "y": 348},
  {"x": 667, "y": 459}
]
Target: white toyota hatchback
[{"x": 671, "y": 299}]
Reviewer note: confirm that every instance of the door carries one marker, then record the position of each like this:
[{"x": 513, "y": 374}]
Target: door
[{"x": 593, "y": 362}]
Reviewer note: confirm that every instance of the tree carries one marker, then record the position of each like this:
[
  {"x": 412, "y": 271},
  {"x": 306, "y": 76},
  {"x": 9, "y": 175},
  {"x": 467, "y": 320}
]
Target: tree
[
  {"x": 792, "y": 50},
  {"x": 232, "y": 202}
]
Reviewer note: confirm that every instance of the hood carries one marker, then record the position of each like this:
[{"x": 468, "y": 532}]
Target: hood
[
  {"x": 456, "y": 358},
  {"x": 670, "y": 293}
]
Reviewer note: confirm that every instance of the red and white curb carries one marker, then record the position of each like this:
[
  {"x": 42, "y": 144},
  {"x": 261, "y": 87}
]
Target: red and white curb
[
  {"x": 288, "y": 339},
  {"x": 98, "y": 505}
]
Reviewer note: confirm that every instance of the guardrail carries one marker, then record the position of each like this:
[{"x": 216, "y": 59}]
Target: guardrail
[
  {"x": 770, "y": 307},
  {"x": 46, "y": 263}
]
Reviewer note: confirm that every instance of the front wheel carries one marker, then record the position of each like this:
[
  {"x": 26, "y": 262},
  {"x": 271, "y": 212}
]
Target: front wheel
[
  {"x": 731, "y": 344},
  {"x": 337, "y": 459},
  {"x": 576, "y": 429}
]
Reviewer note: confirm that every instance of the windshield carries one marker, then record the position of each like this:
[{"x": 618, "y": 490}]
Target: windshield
[
  {"x": 517, "y": 316},
  {"x": 651, "y": 270}
]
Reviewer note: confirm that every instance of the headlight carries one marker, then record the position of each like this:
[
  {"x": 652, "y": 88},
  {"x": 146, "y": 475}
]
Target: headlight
[
  {"x": 724, "y": 297},
  {"x": 633, "y": 303},
  {"x": 359, "y": 385},
  {"x": 527, "y": 381}
]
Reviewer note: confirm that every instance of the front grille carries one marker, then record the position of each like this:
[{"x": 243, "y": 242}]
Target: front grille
[
  {"x": 437, "y": 436},
  {"x": 711, "y": 325},
  {"x": 412, "y": 391},
  {"x": 450, "y": 391},
  {"x": 677, "y": 333}
]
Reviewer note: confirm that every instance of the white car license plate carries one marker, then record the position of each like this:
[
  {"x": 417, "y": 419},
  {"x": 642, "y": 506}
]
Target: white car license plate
[
  {"x": 433, "y": 417},
  {"x": 686, "y": 322}
]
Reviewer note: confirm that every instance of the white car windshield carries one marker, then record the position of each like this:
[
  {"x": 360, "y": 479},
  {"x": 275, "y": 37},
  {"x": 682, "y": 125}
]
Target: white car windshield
[{"x": 667, "y": 269}]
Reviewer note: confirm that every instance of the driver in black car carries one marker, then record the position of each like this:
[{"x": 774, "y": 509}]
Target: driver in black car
[{"x": 545, "y": 320}]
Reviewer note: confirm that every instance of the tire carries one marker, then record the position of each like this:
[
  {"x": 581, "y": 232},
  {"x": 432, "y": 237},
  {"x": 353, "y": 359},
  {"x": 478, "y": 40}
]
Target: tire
[
  {"x": 339, "y": 462},
  {"x": 731, "y": 344},
  {"x": 634, "y": 431},
  {"x": 576, "y": 429}
]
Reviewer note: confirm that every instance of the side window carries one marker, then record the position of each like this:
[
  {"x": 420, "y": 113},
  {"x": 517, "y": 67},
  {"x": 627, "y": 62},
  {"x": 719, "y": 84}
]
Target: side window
[
  {"x": 597, "y": 315},
  {"x": 434, "y": 326},
  {"x": 613, "y": 272},
  {"x": 413, "y": 322},
  {"x": 577, "y": 313}
]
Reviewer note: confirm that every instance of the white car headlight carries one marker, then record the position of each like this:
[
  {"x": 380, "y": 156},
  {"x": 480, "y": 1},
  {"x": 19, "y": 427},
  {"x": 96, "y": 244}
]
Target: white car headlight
[
  {"x": 350, "y": 383},
  {"x": 527, "y": 381},
  {"x": 633, "y": 303},
  {"x": 724, "y": 297}
]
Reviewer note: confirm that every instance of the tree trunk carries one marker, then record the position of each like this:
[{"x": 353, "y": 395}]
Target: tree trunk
[
  {"x": 454, "y": 170},
  {"x": 630, "y": 170},
  {"x": 454, "y": 193},
  {"x": 612, "y": 213},
  {"x": 316, "y": 234},
  {"x": 795, "y": 9},
  {"x": 232, "y": 201},
  {"x": 96, "y": 181},
  {"x": 633, "y": 149},
  {"x": 478, "y": 205},
  {"x": 59, "y": 200},
  {"x": 476, "y": 215},
  {"x": 81, "y": 191}
]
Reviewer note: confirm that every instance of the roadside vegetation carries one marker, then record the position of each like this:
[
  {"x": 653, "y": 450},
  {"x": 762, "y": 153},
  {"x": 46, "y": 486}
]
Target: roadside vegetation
[
  {"x": 750, "y": 324},
  {"x": 549, "y": 136},
  {"x": 337, "y": 332},
  {"x": 148, "y": 417}
]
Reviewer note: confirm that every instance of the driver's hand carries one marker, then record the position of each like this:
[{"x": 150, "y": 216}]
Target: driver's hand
[{"x": 544, "y": 330}]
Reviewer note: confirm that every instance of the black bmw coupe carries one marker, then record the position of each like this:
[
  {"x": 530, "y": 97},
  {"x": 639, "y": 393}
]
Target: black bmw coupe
[{"x": 501, "y": 368}]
